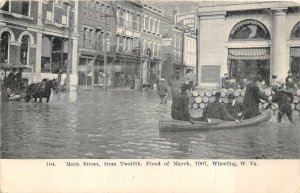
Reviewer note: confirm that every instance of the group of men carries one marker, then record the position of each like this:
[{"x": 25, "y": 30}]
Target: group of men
[
  {"x": 233, "y": 110},
  {"x": 14, "y": 80}
]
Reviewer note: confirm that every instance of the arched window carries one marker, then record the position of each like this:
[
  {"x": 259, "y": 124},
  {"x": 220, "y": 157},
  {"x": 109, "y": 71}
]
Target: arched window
[
  {"x": 249, "y": 30},
  {"x": 5, "y": 44},
  {"x": 24, "y": 50},
  {"x": 296, "y": 31}
]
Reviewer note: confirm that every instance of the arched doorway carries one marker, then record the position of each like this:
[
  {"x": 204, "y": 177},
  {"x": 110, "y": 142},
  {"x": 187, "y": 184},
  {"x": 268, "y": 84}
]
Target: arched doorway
[{"x": 245, "y": 61}]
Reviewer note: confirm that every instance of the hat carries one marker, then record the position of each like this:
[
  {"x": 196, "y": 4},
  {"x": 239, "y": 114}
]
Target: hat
[
  {"x": 185, "y": 86},
  {"x": 274, "y": 76},
  {"x": 231, "y": 96},
  {"x": 162, "y": 79}
]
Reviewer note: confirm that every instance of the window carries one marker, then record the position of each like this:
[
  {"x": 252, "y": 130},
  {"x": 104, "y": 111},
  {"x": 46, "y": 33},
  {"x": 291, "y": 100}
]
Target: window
[
  {"x": 25, "y": 8},
  {"x": 6, "y": 6},
  {"x": 296, "y": 31},
  {"x": 64, "y": 17},
  {"x": 5, "y": 44},
  {"x": 24, "y": 50},
  {"x": 19, "y": 7},
  {"x": 249, "y": 30},
  {"x": 146, "y": 23},
  {"x": 121, "y": 19},
  {"x": 50, "y": 10}
]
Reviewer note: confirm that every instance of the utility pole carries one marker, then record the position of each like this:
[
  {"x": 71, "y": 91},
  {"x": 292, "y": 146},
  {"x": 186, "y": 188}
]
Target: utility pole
[
  {"x": 69, "y": 49},
  {"x": 197, "y": 56},
  {"x": 105, "y": 55}
]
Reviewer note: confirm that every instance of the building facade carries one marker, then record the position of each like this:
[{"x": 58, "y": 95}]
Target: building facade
[
  {"x": 247, "y": 39},
  {"x": 35, "y": 34}
]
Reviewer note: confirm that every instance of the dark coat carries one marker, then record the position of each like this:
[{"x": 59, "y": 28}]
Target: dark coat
[
  {"x": 235, "y": 109},
  {"x": 251, "y": 100},
  {"x": 216, "y": 110},
  {"x": 180, "y": 107},
  {"x": 162, "y": 89}
]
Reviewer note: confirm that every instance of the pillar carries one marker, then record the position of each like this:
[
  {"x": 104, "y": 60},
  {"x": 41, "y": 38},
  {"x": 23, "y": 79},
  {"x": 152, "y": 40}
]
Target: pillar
[
  {"x": 74, "y": 74},
  {"x": 279, "y": 66}
]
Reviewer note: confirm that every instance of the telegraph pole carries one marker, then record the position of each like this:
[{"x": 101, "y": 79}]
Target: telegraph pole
[
  {"x": 105, "y": 55},
  {"x": 69, "y": 49}
]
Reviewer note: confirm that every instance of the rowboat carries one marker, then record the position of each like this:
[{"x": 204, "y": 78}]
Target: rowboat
[{"x": 175, "y": 125}]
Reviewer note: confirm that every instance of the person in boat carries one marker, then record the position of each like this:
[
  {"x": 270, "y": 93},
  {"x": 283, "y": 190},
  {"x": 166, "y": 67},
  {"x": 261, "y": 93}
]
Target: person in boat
[
  {"x": 9, "y": 81},
  {"x": 162, "y": 90},
  {"x": 234, "y": 107},
  {"x": 180, "y": 105},
  {"x": 217, "y": 110},
  {"x": 284, "y": 100},
  {"x": 18, "y": 79},
  {"x": 275, "y": 82},
  {"x": 290, "y": 82},
  {"x": 252, "y": 98}
]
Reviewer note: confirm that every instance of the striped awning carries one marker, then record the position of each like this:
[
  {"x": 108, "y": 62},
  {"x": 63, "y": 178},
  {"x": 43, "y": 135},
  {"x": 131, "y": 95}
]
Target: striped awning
[
  {"x": 249, "y": 54},
  {"x": 295, "y": 52}
]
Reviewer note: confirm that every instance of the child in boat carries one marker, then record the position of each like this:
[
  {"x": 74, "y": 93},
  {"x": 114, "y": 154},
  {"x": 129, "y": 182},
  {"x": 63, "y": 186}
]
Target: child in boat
[
  {"x": 284, "y": 100},
  {"x": 217, "y": 110},
  {"x": 234, "y": 107}
]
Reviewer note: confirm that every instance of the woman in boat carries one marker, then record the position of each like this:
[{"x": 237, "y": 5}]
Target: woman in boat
[
  {"x": 216, "y": 110},
  {"x": 180, "y": 105},
  {"x": 252, "y": 98}
]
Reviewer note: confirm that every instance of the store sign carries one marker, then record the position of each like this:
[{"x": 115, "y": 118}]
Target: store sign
[
  {"x": 126, "y": 32},
  {"x": 188, "y": 19},
  {"x": 210, "y": 74},
  {"x": 167, "y": 42}
]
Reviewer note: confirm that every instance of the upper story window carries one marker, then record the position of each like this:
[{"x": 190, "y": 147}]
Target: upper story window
[
  {"x": 50, "y": 11},
  {"x": 5, "y": 45},
  {"x": 296, "y": 31},
  {"x": 19, "y": 7},
  {"x": 249, "y": 30}
]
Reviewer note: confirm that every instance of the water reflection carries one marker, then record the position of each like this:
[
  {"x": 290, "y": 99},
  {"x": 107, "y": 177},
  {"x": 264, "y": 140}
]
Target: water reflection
[{"x": 124, "y": 124}]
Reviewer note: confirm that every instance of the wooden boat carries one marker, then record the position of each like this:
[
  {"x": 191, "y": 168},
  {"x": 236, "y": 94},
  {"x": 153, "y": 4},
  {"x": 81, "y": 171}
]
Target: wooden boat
[{"x": 175, "y": 125}]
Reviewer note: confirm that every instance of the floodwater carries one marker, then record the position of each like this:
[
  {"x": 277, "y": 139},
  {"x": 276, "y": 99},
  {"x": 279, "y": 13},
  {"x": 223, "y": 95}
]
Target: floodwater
[{"x": 123, "y": 124}]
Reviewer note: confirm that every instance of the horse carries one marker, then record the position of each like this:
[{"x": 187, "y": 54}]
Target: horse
[{"x": 36, "y": 90}]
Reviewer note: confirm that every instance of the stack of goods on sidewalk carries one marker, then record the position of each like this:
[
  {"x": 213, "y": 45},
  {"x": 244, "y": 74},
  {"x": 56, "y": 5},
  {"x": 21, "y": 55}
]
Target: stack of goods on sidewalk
[{"x": 198, "y": 99}]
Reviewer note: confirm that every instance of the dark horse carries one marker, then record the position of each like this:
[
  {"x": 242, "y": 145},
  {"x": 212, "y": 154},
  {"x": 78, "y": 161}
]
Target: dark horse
[{"x": 37, "y": 90}]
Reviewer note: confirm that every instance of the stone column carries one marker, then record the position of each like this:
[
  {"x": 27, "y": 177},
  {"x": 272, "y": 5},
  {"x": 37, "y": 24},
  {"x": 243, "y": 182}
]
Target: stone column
[
  {"x": 278, "y": 64},
  {"x": 38, "y": 60}
]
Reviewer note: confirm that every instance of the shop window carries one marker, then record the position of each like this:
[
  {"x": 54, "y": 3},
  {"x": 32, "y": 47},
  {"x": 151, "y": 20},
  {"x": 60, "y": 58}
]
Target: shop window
[
  {"x": 46, "y": 56},
  {"x": 24, "y": 50},
  {"x": 296, "y": 31},
  {"x": 5, "y": 44},
  {"x": 249, "y": 30}
]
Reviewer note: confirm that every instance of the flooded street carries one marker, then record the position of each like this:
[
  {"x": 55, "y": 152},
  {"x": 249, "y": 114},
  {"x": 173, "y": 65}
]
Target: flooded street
[{"x": 124, "y": 124}]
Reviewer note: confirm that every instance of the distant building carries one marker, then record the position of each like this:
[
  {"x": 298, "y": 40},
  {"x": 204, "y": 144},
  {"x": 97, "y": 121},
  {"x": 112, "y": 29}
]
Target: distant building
[{"x": 245, "y": 39}]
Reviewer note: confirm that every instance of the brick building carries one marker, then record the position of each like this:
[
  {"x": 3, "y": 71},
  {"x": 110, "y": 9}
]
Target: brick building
[{"x": 35, "y": 34}]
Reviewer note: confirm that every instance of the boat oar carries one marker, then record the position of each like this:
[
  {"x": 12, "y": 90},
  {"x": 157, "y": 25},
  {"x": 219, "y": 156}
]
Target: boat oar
[{"x": 284, "y": 115}]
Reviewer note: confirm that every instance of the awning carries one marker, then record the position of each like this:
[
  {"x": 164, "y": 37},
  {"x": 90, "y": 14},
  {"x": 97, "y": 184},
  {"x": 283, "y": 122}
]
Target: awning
[
  {"x": 295, "y": 52},
  {"x": 249, "y": 54}
]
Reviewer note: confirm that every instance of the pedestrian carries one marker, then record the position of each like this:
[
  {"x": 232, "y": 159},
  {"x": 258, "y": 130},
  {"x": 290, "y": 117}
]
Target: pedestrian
[
  {"x": 225, "y": 81},
  {"x": 180, "y": 105},
  {"x": 275, "y": 83},
  {"x": 284, "y": 100},
  {"x": 217, "y": 110},
  {"x": 9, "y": 81},
  {"x": 162, "y": 90},
  {"x": 234, "y": 107},
  {"x": 252, "y": 98},
  {"x": 290, "y": 83},
  {"x": 18, "y": 79}
]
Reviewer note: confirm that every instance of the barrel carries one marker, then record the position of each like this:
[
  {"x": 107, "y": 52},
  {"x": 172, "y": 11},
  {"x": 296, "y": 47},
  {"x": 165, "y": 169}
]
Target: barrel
[
  {"x": 274, "y": 106},
  {"x": 202, "y": 105},
  {"x": 211, "y": 99},
  {"x": 205, "y": 99},
  {"x": 201, "y": 93},
  {"x": 298, "y": 106},
  {"x": 195, "y": 93},
  {"x": 200, "y": 113},
  {"x": 265, "y": 105},
  {"x": 214, "y": 92},
  {"x": 240, "y": 99},
  {"x": 191, "y": 100},
  {"x": 198, "y": 100},
  {"x": 195, "y": 106},
  {"x": 225, "y": 100},
  {"x": 189, "y": 94},
  {"x": 190, "y": 106},
  {"x": 268, "y": 91},
  {"x": 298, "y": 92},
  {"x": 208, "y": 93},
  {"x": 296, "y": 112},
  {"x": 237, "y": 93},
  {"x": 296, "y": 99}
]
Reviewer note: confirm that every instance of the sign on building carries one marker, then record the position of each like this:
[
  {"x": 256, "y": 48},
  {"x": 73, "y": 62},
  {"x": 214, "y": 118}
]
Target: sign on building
[
  {"x": 210, "y": 74},
  {"x": 187, "y": 19}
]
